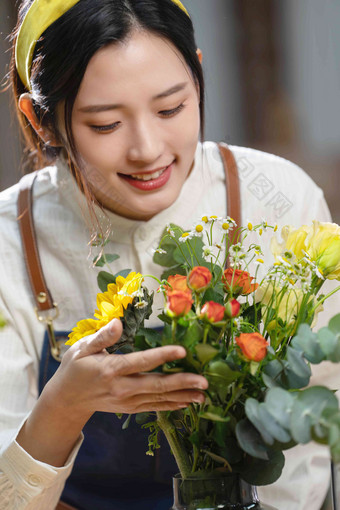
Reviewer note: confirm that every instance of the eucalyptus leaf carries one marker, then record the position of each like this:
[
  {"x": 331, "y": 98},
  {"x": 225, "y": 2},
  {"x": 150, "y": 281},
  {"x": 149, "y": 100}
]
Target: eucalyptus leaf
[
  {"x": 307, "y": 410},
  {"x": 252, "y": 412},
  {"x": 291, "y": 379},
  {"x": 269, "y": 381},
  {"x": 334, "y": 325},
  {"x": 250, "y": 440},
  {"x": 263, "y": 472},
  {"x": 308, "y": 342},
  {"x": 272, "y": 425},
  {"x": 298, "y": 364},
  {"x": 328, "y": 341},
  {"x": 279, "y": 403}
]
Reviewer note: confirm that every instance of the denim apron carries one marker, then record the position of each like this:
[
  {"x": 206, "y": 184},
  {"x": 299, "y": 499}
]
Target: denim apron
[{"x": 112, "y": 470}]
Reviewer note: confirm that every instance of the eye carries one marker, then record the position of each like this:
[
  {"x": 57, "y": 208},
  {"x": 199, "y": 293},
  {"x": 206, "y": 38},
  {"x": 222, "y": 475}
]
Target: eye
[
  {"x": 173, "y": 111},
  {"x": 105, "y": 129}
]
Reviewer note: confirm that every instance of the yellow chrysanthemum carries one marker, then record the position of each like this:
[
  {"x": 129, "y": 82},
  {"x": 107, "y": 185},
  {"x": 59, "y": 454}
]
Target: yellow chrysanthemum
[
  {"x": 83, "y": 328},
  {"x": 111, "y": 305}
]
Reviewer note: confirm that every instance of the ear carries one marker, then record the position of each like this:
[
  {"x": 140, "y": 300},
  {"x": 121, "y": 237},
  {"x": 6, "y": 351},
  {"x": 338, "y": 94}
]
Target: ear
[
  {"x": 200, "y": 55},
  {"x": 26, "y": 107}
]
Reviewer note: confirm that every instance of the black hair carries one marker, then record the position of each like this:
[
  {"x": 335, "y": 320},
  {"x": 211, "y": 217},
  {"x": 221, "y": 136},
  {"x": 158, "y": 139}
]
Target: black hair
[{"x": 64, "y": 50}]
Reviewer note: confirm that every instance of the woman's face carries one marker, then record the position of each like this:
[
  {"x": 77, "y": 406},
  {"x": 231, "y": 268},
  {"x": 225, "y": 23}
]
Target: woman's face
[{"x": 136, "y": 124}]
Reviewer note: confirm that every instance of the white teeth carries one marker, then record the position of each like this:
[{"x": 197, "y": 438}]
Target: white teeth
[{"x": 148, "y": 177}]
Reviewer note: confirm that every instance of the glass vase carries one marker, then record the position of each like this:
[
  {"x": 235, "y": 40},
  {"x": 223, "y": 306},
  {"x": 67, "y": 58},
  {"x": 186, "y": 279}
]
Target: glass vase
[{"x": 228, "y": 492}]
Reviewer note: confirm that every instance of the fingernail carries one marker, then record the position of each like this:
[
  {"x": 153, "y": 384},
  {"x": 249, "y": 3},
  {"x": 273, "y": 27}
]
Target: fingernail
[{"x": 199, "y": 400}]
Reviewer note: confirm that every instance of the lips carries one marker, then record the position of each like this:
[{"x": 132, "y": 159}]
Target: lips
[{"x": 155, "y": 179}]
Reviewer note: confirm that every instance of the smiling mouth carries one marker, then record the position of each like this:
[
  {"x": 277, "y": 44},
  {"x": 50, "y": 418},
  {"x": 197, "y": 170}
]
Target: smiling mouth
[{"x": 148, "y": 177}]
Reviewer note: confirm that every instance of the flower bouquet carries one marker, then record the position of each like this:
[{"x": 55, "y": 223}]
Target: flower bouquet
[{"x": 247, "y": 331}]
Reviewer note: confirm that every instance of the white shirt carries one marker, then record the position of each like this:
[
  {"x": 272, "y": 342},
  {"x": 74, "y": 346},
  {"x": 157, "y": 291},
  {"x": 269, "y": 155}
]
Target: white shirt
[{"x": 271, "y": 188}]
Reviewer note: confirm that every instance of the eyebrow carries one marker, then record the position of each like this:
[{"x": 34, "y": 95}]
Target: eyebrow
[{"x": 106, "y": 107}]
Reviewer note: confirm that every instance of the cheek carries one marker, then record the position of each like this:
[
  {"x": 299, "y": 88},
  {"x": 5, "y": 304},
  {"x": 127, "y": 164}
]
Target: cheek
[{"x": 95, "y": 150}]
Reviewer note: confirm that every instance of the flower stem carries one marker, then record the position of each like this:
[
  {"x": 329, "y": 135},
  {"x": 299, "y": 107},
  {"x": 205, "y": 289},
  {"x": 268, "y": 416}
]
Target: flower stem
[
  {"x": 174, "y": 330},
  {"x": 324, "y": 299},
  {"x": 177, "y": 448}
]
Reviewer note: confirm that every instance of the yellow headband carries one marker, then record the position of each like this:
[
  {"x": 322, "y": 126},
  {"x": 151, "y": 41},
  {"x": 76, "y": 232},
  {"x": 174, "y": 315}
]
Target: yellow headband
[{"x": 39, "y": 17}]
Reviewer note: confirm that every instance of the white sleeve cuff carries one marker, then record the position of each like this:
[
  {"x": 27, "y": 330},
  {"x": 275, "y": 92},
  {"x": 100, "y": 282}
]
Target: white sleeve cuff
[{"x": 29, "y": 475}]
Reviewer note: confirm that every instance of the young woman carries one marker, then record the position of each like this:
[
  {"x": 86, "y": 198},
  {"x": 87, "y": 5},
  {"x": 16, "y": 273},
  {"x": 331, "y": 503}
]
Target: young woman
[{"x": 110, "y": 96}]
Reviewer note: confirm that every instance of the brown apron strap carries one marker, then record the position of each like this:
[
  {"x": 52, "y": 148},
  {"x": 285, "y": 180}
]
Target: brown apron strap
[
  {"x": 64, "y": 506},
  {"x": 42, "y": 296},
  {"x": 232, "y": 190},
  {"x": 46, "y": 309}
]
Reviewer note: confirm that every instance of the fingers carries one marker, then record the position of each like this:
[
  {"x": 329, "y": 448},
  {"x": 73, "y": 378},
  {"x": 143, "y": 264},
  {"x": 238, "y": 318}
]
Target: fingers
[
  {"x": 159, "y": 406},
  {"x": 145, "y": 361},
  {"x": 105, "y": 337},
  {"x": 178, "y": 397},
  {"x": 160, "y": 384}
]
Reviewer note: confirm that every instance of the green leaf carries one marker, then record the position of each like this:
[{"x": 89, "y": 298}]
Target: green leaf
[
  {"x": 192, "y": 335},
  {"x": 124, "y": 273},
  {"x": 152, "y": 337},
  {"x": 307, "y": 410},
  {"x": 334, "y": 324},
  {"x": 298, "y": 364},
  {"x": 263, "y": 472},
  {"x": 205, "y": 353},
  {"x": 279, "y": 403},
  {"x": 104, "y": 279},
  {"x": 292, "y": 380},
  {"x": 220, "y": 376},
  {"x": 252, "y": 412},
  {"x": 214, "y": 413},
  {"x": 272, "y": 425},
  {"x": 308, "y": 342},
  {"x": 169, "y": 246},
  {"x": 126, "y": 422},
  {"x": 105, "y": 259},
  {"x": 250, "y": 440},
  {"x": 328, "y": 341},
  {"x": 142, "y": 418},
  {"x": 178, "y": 269}
]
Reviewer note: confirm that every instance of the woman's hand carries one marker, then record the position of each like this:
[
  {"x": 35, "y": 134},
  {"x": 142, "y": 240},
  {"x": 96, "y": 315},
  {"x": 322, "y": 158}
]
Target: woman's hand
[{"x": 90, "y": 379}]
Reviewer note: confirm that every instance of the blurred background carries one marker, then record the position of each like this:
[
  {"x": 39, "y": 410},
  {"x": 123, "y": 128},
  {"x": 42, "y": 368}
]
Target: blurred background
[{"x": 273, "y": 83}]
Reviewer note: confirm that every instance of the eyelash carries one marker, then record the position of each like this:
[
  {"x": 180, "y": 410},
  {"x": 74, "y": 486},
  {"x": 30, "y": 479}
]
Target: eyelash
[{"x": 164, "y": 113}]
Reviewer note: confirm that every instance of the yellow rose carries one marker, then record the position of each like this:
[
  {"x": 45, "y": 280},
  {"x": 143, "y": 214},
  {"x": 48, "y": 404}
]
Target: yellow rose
[
  {"x": 286, "y": 303},
  {"x": 321, "y": 242},
  {"x": 323, "y": 247}
]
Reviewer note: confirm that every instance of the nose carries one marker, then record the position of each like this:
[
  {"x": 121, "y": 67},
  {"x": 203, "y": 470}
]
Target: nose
[{"x": 146, "y": 144}]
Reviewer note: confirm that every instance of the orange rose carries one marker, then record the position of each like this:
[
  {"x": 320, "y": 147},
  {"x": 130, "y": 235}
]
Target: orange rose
[
  {"x": 199, "y": 278},
  {"x": 213, "y": 312},
  {"x": 238, "y": 282},
  {"x": 179, "y": 302},
  {"x": 253, "y": 346},
  {"x": 177, "y": 282}
]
